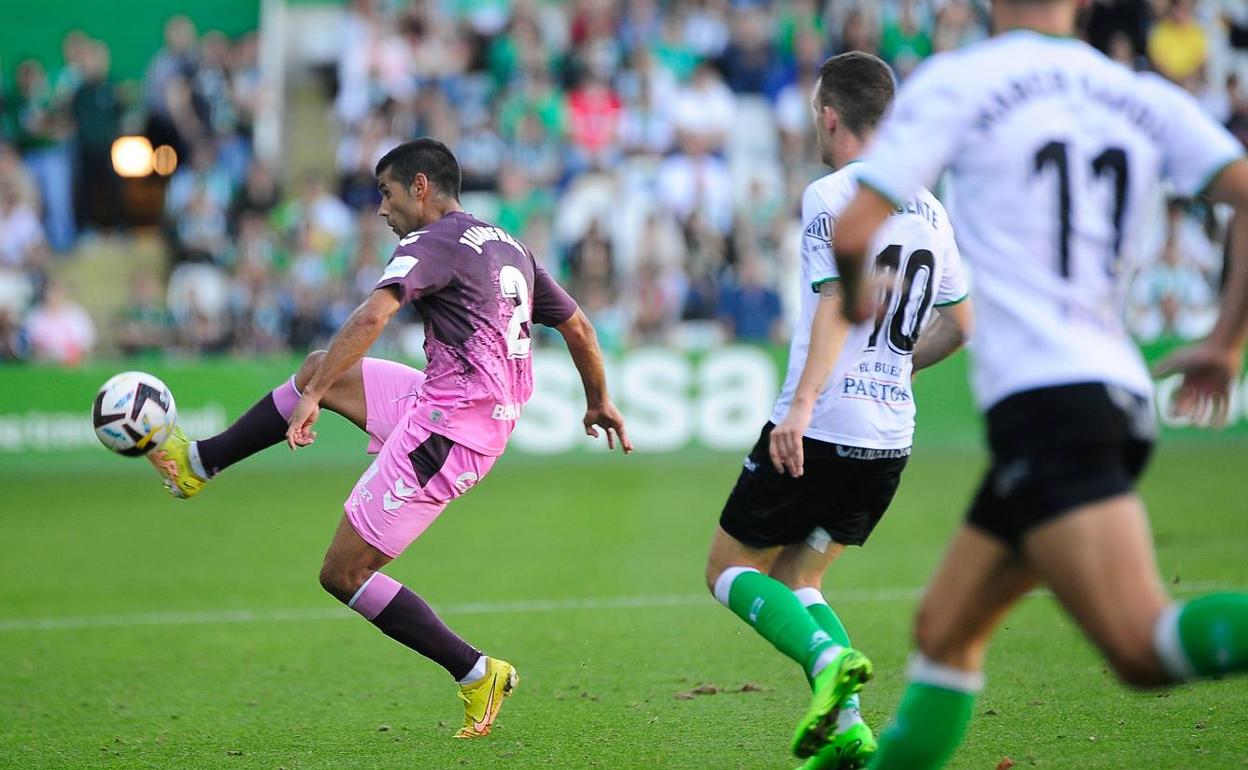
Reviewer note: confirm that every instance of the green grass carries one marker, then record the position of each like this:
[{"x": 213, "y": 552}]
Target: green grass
[{"x": 599, "y": 684}]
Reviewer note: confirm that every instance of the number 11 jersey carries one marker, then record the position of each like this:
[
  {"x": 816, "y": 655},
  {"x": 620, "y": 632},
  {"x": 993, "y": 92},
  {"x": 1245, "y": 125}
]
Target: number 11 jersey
[
  {"x": 1055, "y": 154},
  {"x": 868, "y": 401},
  {"x": 478, "y": 289}
]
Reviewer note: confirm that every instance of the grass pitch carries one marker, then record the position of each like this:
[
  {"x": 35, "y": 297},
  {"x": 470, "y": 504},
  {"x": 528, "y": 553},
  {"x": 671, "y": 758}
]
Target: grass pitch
[{"x": 141, "y": 632}]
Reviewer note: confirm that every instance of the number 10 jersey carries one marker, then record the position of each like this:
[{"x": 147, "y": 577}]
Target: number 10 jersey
[
  {"x": 868, "y": 401},
  {"x": 1055, "y": 154}
]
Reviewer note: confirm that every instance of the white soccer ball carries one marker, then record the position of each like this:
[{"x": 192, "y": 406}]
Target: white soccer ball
[{"x": 134, "y": 413}]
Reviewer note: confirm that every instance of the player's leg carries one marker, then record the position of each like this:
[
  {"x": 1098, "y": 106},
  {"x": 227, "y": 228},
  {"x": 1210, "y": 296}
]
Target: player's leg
[
  {"x": 801, "y": 567},
  {"x": 351, "y": 574},
  {"x": 764, "y": 513},
  {"x": 978, "y": 581},
  {"x": 405, "y": 489},
  {"x": 264, "y": 424},
  {"x": 1099, "y": 561}
]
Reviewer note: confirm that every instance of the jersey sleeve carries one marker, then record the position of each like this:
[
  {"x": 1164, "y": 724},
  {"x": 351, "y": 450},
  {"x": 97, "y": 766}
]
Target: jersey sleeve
[
  {"x": 552, "y": 305},
  {"x": 816, "y": 251},
  {"x": 953, "y": 287},
  {"x": 1195, "y": 148},
  {"x": 416, "y": 270},
  {"x": 920, "y": 136}
]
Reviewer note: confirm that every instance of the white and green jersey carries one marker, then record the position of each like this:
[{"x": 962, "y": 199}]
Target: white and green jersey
[
  {"x": 868, "y": 401},
  {"x": 1054, "y": 155}
]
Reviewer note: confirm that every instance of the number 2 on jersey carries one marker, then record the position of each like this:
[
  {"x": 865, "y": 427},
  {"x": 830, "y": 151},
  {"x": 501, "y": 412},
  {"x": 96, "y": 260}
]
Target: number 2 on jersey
[
  {"x": 513, "y": 286},
  {"x": 1112, "y": 161}
]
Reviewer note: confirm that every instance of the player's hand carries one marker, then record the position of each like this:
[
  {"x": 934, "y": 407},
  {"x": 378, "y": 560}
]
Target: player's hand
[
  {"x": 786, "y": 441},
  {"x": 611, "y": 421},
  {"x": 1209, "y": 372},
  {"x": 300, "y": 432},
  {"x": 870, "y": 298}
]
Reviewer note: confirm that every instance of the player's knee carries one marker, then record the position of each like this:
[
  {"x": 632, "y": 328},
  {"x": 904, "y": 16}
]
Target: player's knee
[
  {"x": 939, "y": 641},
  {"x": 338, "y": 582},
  {"x": 310, "y": 364}
]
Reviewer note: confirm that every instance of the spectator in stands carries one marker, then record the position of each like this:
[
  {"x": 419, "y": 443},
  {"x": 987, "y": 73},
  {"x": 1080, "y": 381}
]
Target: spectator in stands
[
  {"x": 17, "y": 176},
  {"x": 705, "y": 108},
  {"x": 695, "y": 182},
  {"x": 358, "y": 153},
  {"x": 143, "y": 324},
  {"x": 749, "y": 309},
  {"x": 750, "y": 63},
  {"x": 1177, "y": 45},
  {"x": 59, "y": 329},
  {"x": 40, "y": 133},
  {"x": 1119, "y": 28},
  {"x": 97, "y": 110},
  {"x": 21, "y": 234},
  {"x": 593, "y": 110},
  {"x": 906, "y": 39},
  {"x": 258, "y": 195}
]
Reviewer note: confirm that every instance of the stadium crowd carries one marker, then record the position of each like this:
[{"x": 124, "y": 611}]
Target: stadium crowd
[{"x": 652, "y": 154}]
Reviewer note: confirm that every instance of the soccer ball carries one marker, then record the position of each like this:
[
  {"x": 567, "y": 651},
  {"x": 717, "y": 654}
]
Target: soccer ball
[{"x": 133, "y": 413}]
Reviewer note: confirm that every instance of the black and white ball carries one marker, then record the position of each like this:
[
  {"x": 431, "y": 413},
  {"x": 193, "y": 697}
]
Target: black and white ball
[{"x": 133, "y": 413}]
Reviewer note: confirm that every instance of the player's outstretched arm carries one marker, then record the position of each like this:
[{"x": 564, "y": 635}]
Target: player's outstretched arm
[
  {"x": 828, "y": 330},
  {"x": 948, "y": 331},
  {"x": 357, "y": 335},
  {"x": 854, "y": 230},
  {"x": 1210, "y": 367},
  {"x": 582, "y": 341}
]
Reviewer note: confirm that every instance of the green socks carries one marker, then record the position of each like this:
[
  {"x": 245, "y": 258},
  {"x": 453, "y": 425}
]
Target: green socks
[
  {"x": 931, "y": 720},
  {"x": 1206, "y": 637},
  {"x": 772, "y": 609},
  {"x": 812, "y": 599}
]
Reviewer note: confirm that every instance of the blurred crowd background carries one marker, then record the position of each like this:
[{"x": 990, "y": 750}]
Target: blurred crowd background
[{"x": 652, "y": 154}]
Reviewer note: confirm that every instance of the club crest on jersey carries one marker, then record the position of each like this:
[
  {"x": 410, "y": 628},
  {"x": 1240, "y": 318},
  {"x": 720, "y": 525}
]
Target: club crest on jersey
[{"x": 820, "y": 228}]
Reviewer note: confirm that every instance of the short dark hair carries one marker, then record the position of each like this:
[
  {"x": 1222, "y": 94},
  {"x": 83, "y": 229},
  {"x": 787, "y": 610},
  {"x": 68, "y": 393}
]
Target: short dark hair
[
  {"x": 859, "y": 87},
  {"x": 423, "y": 156}
]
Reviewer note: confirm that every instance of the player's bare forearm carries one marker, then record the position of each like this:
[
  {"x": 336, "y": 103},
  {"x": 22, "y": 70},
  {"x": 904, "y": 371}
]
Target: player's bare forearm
[
  {"x": 854, "y": 230},
  {"x": 827, "y": 336},
  {"x": 947, "y": 332},
  {"x": 578, "y": 333},
  {"x": 582, "y": 341},
  {"x": 1231, "y": 329},
  {"x": 353, "y": 340}
]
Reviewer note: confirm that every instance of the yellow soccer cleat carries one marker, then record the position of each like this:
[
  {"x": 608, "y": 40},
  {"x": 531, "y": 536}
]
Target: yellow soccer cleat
[
  {"x": 172, "y": 460},
  {"x": 483, "y": 698}
]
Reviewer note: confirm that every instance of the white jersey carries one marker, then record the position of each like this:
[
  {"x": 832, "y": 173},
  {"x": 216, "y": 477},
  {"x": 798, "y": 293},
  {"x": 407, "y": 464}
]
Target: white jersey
[
  {"x": 1054, "y": 156},
  {"x": 868, "y": 401}
]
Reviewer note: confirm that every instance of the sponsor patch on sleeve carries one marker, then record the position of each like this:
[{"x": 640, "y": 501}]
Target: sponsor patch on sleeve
[{"x": 399, "y": 267}]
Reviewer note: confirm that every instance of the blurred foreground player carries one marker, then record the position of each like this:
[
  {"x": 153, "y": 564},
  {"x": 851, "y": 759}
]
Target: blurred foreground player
[
  {"x": 436, "y": 433},
  {"x": 826, "y": 467},
  {"x": 1054, "y": 156}
]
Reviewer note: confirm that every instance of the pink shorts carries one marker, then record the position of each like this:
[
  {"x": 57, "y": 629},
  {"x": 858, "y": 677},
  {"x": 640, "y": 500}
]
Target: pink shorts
[{"x": 416, "y": 472}]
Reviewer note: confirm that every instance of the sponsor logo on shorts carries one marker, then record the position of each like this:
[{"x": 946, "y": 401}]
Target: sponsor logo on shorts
[
  {"x": 506, "y": 412},
  {"x": 465, "y": 481},
  {"x": 749, "y": 464},
  {"x": 401, "y": 494},
  {"x": 862, "y": 453}
]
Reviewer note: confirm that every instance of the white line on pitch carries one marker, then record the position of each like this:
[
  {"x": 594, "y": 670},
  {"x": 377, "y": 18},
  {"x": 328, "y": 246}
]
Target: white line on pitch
[{"x": 848, "y": 596}]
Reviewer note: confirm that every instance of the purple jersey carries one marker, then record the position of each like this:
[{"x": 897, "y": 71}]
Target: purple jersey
[{"x": 478, "y": 289}]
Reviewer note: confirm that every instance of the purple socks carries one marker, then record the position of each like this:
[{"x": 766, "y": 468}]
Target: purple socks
[
  {"x": 262, "y": 426},
  {"x": 406, "y": 618}
]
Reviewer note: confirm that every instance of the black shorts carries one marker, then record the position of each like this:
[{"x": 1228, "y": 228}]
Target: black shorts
[
  {"x": 1055, "y": 449},
  {"x": 844, "y": 490}
]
